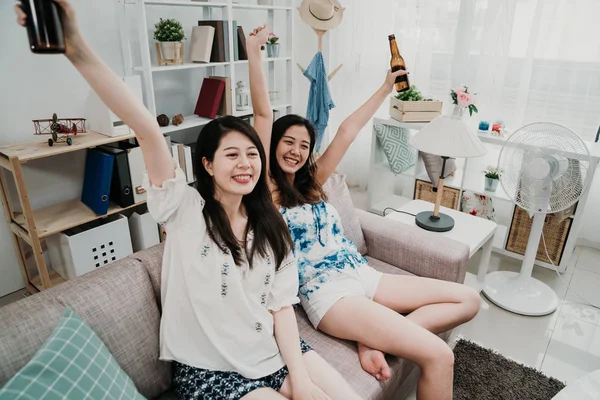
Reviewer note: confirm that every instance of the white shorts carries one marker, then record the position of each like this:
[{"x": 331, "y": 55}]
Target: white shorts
[{"x": 360, "y": 281}]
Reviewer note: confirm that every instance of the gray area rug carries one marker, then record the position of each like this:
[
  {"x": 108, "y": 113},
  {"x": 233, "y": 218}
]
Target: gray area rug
[{"x": 482, "y": 374}]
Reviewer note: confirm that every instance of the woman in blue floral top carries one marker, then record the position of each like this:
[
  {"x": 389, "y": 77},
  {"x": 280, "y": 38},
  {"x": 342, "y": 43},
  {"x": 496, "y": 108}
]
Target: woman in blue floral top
[{"x": 342, "y": 295}]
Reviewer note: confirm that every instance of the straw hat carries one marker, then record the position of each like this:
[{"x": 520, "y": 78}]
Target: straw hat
[{"x": 321, "y": 14}]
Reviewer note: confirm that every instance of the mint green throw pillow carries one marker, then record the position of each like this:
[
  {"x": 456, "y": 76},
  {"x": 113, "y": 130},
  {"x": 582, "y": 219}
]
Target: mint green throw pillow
[
  {"x": 72, "y": 364},
  {"x": 394, "y": 141}
]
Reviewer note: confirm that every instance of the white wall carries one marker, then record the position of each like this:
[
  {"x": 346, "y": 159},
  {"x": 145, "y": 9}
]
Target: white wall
[{"x": 35, "y": 86}]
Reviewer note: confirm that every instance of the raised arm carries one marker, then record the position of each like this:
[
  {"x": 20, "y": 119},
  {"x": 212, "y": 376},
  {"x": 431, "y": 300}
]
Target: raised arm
[
  {"x": 259, "y": 92},
  {"x": 351, "y": 126},
  {"x": 116, "y": 95}
]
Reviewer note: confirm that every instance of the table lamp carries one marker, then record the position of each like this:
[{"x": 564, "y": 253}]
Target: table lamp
[{"x": 447, "y": 136}]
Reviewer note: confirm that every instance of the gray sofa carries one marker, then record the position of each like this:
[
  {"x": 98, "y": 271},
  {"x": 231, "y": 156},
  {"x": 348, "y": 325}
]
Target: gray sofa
[{"x": 121, "y": 302}]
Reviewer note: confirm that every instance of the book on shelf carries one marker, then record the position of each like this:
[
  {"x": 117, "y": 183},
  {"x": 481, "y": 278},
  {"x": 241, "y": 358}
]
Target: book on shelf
[
  {"x": 201, "y": 44},
  {"x": 225, "y": 107},
  {"x": 218, "y": 46},
  {"x": 236, "y": 54},
  {"x": 183, "y": 153},
  {"x": 243, "y": 52},
  {"x": 209, "y": 98}
]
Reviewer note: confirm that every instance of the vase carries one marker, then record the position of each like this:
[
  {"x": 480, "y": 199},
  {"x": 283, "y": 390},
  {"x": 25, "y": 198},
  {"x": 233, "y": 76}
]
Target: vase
[
  {"x": 490, "y": 184},
  {"x": 273, "y": 50},
  {"x": 170, "y": 50},
  {"x": 459, "y": 112}
]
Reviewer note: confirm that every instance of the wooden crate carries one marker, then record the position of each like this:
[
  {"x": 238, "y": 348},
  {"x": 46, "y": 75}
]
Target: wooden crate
[
  {"x": 424, "y": 191},
  {"x": 555, "y": 232},
  {"x": 414, "y": 111}
]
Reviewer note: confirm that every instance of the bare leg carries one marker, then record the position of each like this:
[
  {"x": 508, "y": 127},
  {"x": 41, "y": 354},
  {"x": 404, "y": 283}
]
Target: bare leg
[
  {"x": 264, "y": 394},
  {"x": 436, "y": 305},
  {"x": 377, "y": 326},
  {"x": 325, "y": 377}
]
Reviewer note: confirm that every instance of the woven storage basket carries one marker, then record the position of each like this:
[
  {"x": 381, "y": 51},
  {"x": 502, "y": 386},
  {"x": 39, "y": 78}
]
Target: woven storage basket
[
  {"x": 424, "y": 191},
  {"x": 555, "y": 232}
]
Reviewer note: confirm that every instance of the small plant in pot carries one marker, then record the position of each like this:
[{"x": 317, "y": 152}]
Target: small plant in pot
[
  {"x": 492, "y": 177},
  {"x": 272, "y": 45},
  {"x": 169, "y": 33}
]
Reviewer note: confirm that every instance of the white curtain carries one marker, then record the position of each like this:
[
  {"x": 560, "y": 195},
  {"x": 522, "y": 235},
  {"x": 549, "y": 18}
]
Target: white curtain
[{"x": 528, "y": 60}]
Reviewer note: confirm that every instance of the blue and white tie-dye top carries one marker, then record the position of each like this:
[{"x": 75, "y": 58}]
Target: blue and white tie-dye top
[{"x": 320, "y": 247}]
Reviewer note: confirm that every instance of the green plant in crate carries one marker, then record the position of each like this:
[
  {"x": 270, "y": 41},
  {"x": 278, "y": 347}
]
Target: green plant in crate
[
  {"x": 168, "y": 30},
  {"x": 412, "y": 94}
]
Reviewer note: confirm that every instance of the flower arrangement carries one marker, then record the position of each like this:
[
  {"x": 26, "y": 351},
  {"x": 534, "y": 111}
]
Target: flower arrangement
[
  {"x": 492, "y": 172},
  {"x": 272, "y": 38},
  {"x": 168, "y": 30},
  {"x": 464, "y": 99}
]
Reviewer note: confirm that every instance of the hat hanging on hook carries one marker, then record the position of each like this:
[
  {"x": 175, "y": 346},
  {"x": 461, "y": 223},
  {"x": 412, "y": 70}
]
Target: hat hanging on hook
[{"x": 321, "y": 14}]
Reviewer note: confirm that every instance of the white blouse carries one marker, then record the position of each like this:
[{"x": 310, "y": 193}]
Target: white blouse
[{"x": 215, "y": 315}]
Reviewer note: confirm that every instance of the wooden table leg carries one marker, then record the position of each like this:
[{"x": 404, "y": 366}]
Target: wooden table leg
[
  {"x": 30, "y": 222},
  {"x": 8, "y": 213}
]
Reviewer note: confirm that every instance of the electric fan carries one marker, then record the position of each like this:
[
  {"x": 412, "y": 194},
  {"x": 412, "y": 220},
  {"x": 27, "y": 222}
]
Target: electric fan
[{"x": 545, "y": 170}]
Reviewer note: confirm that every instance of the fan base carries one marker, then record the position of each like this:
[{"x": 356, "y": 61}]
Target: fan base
[{"x": 529, "y": 297}]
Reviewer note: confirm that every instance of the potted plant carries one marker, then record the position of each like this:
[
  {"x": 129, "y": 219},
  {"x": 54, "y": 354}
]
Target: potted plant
[
  {"x": 492, "y": 176},
  {"x": 463, "y": 100},
  {"x": 169, "y": 33},
  {"x": 272, "y": 45},
  {"x": 411, "y": 106}
]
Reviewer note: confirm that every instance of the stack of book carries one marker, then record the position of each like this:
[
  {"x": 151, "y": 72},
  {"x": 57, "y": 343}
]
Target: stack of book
[{"x": 210, "y": 42}]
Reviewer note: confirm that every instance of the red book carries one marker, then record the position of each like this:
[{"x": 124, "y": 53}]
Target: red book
[{"x": 209, "y": 98}]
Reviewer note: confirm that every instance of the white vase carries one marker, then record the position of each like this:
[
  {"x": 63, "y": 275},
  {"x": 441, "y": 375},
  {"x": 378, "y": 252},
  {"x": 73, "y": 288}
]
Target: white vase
[
  {"x": 459, "y": 112},
  {"x": 170, "y": 50}
]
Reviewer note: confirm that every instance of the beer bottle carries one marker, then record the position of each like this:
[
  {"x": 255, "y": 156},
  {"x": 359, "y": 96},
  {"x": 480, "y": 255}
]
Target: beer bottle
[
  {"x": 44, "y": 26},
  {"x": 397, "y": 63}
]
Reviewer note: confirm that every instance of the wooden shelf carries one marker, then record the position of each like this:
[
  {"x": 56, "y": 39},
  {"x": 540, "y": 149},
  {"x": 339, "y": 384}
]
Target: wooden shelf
[
  {"x": 68, "y": 214},
  {"x": 55, "y": 279},
  {"x": 38, "y": 148}
]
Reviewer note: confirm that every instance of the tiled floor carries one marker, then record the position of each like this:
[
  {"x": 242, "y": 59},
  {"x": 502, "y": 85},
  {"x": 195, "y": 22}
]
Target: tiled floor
[{"x": 565, "y": 344}]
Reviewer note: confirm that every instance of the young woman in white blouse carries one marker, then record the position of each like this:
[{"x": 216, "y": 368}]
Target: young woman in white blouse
[{"x": 229, "y": 278}]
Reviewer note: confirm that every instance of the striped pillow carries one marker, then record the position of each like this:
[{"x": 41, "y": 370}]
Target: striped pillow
[{"x": 73, "y": 363}]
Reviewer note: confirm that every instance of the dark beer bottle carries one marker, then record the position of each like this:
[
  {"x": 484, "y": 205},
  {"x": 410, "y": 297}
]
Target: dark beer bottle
[
  {"x": 44, "y": 26},
  {"x": 397, "y": 63}
]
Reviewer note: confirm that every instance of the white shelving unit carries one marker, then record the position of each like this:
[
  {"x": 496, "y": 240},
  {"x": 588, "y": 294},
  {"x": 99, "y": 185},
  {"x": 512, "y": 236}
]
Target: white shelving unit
[
  {"x": 161, "y": 83},
  {"x": 386, "y": 190}
]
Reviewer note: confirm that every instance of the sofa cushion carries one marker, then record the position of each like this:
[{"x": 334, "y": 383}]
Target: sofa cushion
[
  {"x": 339, "y": 196},
  {"x": 72, "y": 363},
  {"x": 117, "y": 301}
]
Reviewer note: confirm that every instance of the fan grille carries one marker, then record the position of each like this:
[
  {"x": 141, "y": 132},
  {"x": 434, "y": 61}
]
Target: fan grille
[{"x": 544, "y": 139}]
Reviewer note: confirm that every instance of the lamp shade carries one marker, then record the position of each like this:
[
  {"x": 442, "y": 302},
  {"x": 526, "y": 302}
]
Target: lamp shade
[{"x": 449, "y": 136}]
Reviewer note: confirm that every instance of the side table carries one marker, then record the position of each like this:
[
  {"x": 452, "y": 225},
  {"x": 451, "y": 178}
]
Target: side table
[{"x": 473, "y": 231}]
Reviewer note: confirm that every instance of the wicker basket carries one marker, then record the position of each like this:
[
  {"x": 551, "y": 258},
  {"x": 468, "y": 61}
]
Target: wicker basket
[
  {"x": 555, "y": 232},
  {"x": 424, "y": 191}
]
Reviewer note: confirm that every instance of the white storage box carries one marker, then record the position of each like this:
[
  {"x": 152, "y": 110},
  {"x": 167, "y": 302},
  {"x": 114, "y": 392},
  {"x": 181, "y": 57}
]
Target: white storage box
[
  {"x": 87, "y": 247},
  {"x": 144, "y": 231}
]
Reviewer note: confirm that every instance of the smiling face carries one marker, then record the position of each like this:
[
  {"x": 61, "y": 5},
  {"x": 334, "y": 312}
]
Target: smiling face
[
  {"x": 293, "y": 149},
  {"x": 236, "y": 165}
]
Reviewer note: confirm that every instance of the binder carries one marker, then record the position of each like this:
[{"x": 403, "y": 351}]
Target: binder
[
  {"x": 137, "y": 167},
  {"x": 97, "y": 181},
  {"x": 121, "y": 192}
]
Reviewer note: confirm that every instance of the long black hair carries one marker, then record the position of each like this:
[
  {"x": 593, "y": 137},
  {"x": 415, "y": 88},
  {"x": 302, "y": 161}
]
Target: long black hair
[
  {"x": 305, "y": 188},
  {"x": 266, "y": 223}
]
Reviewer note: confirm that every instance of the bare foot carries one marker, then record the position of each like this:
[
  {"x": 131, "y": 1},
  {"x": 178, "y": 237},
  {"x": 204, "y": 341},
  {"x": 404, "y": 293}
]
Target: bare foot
[{"x": 373, "y": 362}]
